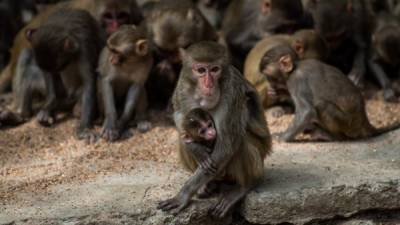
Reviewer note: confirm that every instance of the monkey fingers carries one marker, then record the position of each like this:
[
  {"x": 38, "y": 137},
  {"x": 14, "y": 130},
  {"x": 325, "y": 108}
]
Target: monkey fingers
[
  {"x": 45, "y": 118},
  {"x": 85, "y": 134},
  {"x": 178, "y": 202},
  {"x": 110, "y": 135},
  {"x": 209, "y": 166},
  {"x": 229, "y": 200}
]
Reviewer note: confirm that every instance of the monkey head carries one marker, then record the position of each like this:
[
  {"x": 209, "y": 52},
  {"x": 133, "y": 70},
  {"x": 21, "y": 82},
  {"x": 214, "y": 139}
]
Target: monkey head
[
  {"x": 277, "y": 64},
  {"x": 115, "y": 13},
  {"x": 129, "y": 43},
  {"x": 53, "y": 48},
  {"x": 205, "y": 65},
  {"x": 173, "y": 28},
  {"x": 199, "y": 127},
  {"x": 309, "y": 45}
]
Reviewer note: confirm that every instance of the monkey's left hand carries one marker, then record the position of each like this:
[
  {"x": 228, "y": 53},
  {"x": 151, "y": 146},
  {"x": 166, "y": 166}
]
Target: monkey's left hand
[{"x": 179, "y": 202}]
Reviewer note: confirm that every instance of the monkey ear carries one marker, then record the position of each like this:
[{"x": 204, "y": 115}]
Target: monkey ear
[
  {"x": 286, "y": 63},
  {"x": 142, "y": 47},
  {"x": 29, "y": 34},
  {"x": 299, "y": 48},
  {"x": 70, "y": 45}
]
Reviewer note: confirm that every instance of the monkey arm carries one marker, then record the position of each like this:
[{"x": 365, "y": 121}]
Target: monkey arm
[
  {"x": 51, "y": 91},
  {"x": 88, "y": 95},
  {"x": 358, "y": 70},
  {"x": 109, "y": 103},
  {"x": 132, "y": 99},
  {"x": 305, "y": 112},
  {"x": 382, "y": 77}
]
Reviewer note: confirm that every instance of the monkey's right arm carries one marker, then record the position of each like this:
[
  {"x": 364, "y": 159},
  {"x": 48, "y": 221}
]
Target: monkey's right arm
[
  {"x": 132, "y": 99},
  {"x": 383, "y": 79},
  {"x": 46, "y": 115},
  {"x": 110, "y": 131},
  {"x": 305, "y": 112}
]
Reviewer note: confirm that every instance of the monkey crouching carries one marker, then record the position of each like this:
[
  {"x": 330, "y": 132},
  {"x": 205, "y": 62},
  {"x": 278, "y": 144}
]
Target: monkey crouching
[
  {"x": 326, "y": 101},
  {"x": 124, "y": 67}
]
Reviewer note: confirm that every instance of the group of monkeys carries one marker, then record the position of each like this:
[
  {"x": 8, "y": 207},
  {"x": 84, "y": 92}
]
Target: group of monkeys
[{"x": 113, "y": 59}]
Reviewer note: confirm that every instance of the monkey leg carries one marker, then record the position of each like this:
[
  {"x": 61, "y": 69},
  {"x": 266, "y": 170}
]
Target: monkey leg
[
  {"x": 333, "y": 120},
  {"x": 229, "y": 200},
  {"x": 143, "y": 124}
]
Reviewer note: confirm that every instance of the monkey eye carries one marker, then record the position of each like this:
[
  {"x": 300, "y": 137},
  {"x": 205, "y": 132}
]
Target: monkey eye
[
  {"x": 215, "y": 69},
  {"x": 201, "y": 70}
]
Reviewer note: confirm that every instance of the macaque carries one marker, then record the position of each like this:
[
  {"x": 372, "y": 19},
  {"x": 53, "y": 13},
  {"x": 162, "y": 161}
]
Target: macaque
[
  {"x": 326, "y": 101},
  {"x": 385, "y": 53},
  {"x": 66, "y": 49},
  {"x": 109, "y": 13},
  {"x": 199, "y": 134},
  {"x": 173, "y": 24},
  {"x": 213, "y": 10},
  {"x": 8, "y": 29},
  {"x": 306, "y": 43},
  {"x": 208, "y": 81},
  {"x": 124, "y": 67},
  {"x": 248, "y": 21},
  {"x": 342, "y": 23}
]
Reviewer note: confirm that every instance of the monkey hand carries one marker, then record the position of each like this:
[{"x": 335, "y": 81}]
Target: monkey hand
[
  {"x": 110, "y": 134},
  {"x": 389, "y": 95},
  {"x": 85, "y": 134},
  {"x": 45, "y": 118},
  {"x": 179, "y": 202},
  {"x": 209, "y": 166}
]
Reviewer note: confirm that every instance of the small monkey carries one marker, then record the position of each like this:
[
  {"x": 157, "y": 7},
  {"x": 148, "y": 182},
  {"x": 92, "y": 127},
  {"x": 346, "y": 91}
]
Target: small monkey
[
  {"x": 326, "y": 101},
  {"x": 66, "y": 49},
  {"x": 199, "y": 134},
  {"x": 307, "y": 44},
  {"x": 124, "y": 67}
]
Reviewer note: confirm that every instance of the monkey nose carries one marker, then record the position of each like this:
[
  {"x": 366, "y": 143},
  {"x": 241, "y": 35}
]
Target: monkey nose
[{"x": 211, "y": 134}]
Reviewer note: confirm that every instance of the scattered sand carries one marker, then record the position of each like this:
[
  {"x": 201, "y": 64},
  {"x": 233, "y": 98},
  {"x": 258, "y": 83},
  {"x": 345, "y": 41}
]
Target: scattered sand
[{"x": 35, "y": 158}]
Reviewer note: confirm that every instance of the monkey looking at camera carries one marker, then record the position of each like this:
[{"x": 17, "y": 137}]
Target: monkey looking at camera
[
  {"x": 208, "y": 81},
  {"x": 66, "y": 49},
  {"x": 326, "y": 101},
  {"x": 124, "y": 67}
]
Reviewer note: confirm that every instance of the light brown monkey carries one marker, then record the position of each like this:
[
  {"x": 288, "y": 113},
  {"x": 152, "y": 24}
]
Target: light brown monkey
[
  {"x": 326, "y": 101},
  {"x": 173, "y": 24},
  {"x": 208, "y": 81},
  {"x": 109, "y": 13},
  {"x": 307, "y": 44},
  {"x": 124, "y": 67}
]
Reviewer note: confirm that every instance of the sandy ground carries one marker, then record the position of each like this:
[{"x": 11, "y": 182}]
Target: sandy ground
[{"x": 33, "y": 158}]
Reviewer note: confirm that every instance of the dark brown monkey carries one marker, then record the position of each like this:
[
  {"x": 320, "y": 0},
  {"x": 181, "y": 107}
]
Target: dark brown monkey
[
  {"x": 104, "y": 11},
  {"x": 213, "y": 10},
  {"x": 173, "y": 24},
  {"x": 385, "y": 52},
  {"x": 124, "y": 67},
  {"x": 326, "y": 101},
  {"x": 343, "y": 24},
  {"x": 8, "y": 29},
  {"x": 66, "y": 48},
  {"x": 209, "y": 82},
  {"x": 199, "y": 134},
  {"x": 307, "y": 44},
  {"x": 248, "y": 21}
]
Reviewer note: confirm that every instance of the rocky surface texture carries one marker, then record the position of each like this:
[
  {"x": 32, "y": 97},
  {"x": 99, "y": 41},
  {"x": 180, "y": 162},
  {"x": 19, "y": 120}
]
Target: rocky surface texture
[{"x": 344, "y": 183}]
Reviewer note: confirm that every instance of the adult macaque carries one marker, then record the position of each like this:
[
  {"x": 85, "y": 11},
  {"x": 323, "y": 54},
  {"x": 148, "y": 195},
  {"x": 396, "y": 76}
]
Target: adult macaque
[
  {"x": 124, "y": 67},
  {"x": 385, "y": 52},
  {"x": 66, "y": 48},
  {"x": 199, "y": 134},
  {"x": 342, "y": 24},
  {"x": 307, "y": 44},
  {"x": 326, "y": 101},
  {"x": 209, "y": 82},
  {"x": 248, "y": 21},
  {"x": 173, "y": 24},
  {"x": 109, "y": 13}
]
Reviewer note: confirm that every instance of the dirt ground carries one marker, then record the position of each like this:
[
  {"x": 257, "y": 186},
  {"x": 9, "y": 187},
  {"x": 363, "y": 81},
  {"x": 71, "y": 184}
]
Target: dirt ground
[{"x": 33, "y": 158}]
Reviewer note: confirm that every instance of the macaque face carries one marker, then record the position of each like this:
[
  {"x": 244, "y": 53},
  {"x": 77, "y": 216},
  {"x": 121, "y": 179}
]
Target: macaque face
[
  {"x": 207, "y": 76},
  {"x": 199, "y": 126},
  {"x": 113, "y": 19}
]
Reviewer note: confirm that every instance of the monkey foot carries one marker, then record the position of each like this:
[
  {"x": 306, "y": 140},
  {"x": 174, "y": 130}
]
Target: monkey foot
[
  {"x": 390, "y": 96},
  {"x": 88, "y": 136},
  {"x": 144, "y": 126},
  {"x": 228, "y": 201},
  {"x": 208, "y": 190},
  {"x": 45, "y": 118},
  {"x": 178, "y": 203}
]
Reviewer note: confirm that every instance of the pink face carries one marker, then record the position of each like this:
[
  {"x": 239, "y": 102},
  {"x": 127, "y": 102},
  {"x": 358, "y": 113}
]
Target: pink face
[
  {"x": 207, "y": 75},
  {"x": 207, "y": 131},
  {"x": 112, "y": 20}
]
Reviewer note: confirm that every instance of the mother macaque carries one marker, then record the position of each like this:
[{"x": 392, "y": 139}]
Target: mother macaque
[{"x": 209, "y": 82}]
